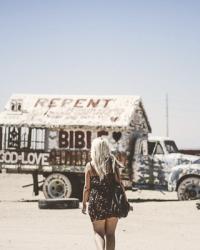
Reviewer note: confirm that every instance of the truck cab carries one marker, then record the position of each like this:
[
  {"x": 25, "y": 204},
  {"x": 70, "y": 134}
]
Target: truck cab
[
  {"x": 165, "y": 149},
  {"x": 167, "y": 168}
]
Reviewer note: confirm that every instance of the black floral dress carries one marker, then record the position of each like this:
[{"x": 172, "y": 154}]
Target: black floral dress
[{"x": 100, "y": 198}]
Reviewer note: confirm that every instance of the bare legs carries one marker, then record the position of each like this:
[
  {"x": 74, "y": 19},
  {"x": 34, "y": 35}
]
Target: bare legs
[
  {"x": 99, "y": 233},
  {"x": 105, "y": 229},
  {"x": 111, "y": 224}
]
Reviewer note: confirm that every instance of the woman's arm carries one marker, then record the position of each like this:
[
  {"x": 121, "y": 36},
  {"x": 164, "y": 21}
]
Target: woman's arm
[
  {"x": 86, "y": 189},
  {"x": 119, "y": 180}
]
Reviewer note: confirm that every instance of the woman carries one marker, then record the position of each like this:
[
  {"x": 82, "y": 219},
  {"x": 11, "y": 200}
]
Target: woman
[{"x": 100, "y": 175}]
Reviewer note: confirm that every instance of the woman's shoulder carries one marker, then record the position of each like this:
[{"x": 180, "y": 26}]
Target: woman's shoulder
[{"x": 88, "y": 167}]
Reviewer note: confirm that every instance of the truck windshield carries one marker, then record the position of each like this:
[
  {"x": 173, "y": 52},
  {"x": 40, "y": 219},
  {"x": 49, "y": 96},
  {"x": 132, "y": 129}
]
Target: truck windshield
[{"x": 171, "y": 147}]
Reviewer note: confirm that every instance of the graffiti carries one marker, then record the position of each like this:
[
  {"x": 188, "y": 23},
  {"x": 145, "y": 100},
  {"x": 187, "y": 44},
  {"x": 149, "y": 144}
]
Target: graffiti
[
  {"x": 14, "y": 137},
  {"x": 78, "y": 157},
  {"x": 78, "y": 139},
  {"x": 72, "y": 103},
  {"x": 69, "y": 157},
  {"x": 151, "y": 173},
  {"x": 117, "y": 136},
  {"x": 181, "y": 171},
  {"x": 74, "y": 139},
  {"x": 31, "y": 158}
]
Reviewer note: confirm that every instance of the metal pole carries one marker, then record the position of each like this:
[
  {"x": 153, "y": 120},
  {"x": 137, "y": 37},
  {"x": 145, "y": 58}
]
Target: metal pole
[{"x": 167, "y": 116}]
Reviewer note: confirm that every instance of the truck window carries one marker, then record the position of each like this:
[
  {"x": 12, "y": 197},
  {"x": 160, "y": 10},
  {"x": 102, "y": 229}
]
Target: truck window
[
  {"x": 38, "y": 138},
  {"x": 12, "y": 137},
  {"x": 171, "y": 147},
  {"x": 159, "y": 149},
  {"x": 151, "y": 146},
  {"x": 24, "y": 138},
  {"x": 25, "y": 141}
]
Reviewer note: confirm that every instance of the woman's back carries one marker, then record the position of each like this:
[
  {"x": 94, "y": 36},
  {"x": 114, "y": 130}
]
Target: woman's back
[
  {"x": 98, "y": 190},
  {"x": 101, "y": 191}
]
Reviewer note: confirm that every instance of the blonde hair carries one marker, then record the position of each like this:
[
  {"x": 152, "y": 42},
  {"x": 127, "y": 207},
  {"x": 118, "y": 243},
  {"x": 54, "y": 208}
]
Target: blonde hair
[{"x": 100, "y": 154}]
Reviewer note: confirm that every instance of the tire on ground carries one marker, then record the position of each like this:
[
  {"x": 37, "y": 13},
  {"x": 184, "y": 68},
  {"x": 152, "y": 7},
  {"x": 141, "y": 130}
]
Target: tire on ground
[
  {"x": 68, "y": 203},
  {"x": 57, "y": 185},
  {"x": 189, "y": 189}
]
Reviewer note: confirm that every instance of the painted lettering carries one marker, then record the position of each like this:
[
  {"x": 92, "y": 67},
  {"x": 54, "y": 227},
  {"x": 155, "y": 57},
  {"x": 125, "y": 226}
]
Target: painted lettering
[
  {"x": 45, "y": 159},
  {"x": 79, "y": 102},
  {"x": 73, "y": 103},
  {"x": 31, "y": 158},
  {"x": 66, "y": 102},
  {"x": 23, "y": 158},
  {"x": 75, "y": 139},
  {"x": 41, "y": 102},
  {"x": 89, "y": 136},
  {"x": 93, "y": 103},
  {"x": 106, "y": 102},
  {"x": 54, "y": 102},
  {"x": 71, "y": 139},
  {"x": 63, "y": 139},
  {"x": 79, "y": 139}
]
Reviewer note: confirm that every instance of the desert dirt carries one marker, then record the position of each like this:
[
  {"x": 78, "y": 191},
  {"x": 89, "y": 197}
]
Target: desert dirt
[{"x": 158, "y": 222}]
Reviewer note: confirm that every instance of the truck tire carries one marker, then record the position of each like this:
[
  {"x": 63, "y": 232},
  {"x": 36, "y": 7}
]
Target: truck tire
[
  {"x": 68, "y": 203},
  {"x": 57, "y": 186},
  {"x": 189, "y": 189}
]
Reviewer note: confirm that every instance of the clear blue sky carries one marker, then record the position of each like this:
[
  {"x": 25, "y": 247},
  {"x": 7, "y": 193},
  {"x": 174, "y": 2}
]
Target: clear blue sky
[{"x": 147, "y": 48}]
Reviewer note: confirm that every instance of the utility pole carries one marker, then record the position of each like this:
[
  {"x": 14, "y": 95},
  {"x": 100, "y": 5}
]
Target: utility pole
[{"x": 167, "y": 115}]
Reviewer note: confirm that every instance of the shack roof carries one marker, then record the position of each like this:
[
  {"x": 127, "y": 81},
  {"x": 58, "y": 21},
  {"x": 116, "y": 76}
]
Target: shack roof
[{"x": 73, "y": 110}]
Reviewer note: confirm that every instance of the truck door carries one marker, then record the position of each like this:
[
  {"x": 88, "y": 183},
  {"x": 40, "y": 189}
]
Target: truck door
[
  {"x": 140, "y": 163},
  {"x": 158, "y": 164}
]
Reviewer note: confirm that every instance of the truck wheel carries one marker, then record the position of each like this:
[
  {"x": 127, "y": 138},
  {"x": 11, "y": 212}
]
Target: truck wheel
[
  {"x": 189, "y": 189},
  {"x": 57, "y": 186}
]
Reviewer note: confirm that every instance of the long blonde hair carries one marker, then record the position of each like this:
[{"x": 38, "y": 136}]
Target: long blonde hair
[{"x": 101, "y": 154}]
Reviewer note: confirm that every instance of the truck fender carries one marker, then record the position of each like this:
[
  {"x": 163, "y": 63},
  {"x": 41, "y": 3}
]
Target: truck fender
[
  {"x": 179, "y": 173},
  {"x": 185, "y": 177}
]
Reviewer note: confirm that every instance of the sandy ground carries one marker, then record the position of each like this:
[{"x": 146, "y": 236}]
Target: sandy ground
[{"x": 158, "y": 221}]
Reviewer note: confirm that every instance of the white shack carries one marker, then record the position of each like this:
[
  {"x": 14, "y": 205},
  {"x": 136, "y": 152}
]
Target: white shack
[{"x": 51, "y": 135}]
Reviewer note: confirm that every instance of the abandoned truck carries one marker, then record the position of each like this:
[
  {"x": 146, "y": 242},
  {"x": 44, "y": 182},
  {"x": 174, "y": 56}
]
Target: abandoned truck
[{"x": 51, "y": 136}]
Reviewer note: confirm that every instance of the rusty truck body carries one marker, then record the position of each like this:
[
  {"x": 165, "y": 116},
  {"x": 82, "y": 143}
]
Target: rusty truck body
[{"x": 51, "y": 135}]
